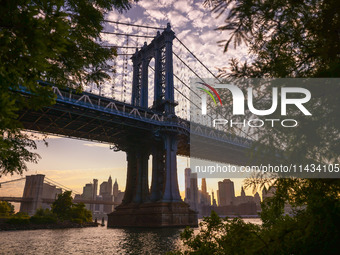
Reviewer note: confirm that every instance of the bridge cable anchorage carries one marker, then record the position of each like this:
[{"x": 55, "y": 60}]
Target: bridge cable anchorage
[
  {"x": 197, "y": 59},
  {"x": 133, "y": 25}
]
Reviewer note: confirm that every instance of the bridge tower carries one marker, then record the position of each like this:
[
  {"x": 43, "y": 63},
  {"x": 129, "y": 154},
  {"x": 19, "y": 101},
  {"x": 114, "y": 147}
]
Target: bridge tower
[
  {"x": 33, "y": 193},
  {"x": 162, "y": 205}
]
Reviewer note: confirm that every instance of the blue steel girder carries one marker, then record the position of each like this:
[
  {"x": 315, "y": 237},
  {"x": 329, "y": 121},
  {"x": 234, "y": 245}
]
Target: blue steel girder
[{"x": 96, "y": 118}]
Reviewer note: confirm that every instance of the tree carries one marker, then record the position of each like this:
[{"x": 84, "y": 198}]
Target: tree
[
  {"x": 6, "y": 208},
  {"x": 65, "y": 209},
  {"x": 80, "y": 213},
  {"x": 53, "y": 41},
  {"x": 285, "y": 38},
  {"x": 291, "y": 39},
  {"x": 223, "y": 236},
  {"x": 62, "y": 207}
]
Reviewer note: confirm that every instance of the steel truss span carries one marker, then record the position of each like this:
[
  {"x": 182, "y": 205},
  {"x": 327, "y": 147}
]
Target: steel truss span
[{"x": 140, "y": 130}]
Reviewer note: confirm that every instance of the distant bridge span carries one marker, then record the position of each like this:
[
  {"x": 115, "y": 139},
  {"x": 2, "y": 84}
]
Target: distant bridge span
[{"x": 50, "y": 201}]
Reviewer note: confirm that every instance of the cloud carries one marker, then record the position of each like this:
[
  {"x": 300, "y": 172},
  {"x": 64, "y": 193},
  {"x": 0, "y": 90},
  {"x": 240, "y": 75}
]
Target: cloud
[
  {"x": 96, "y": 145},
  {"x": 183, "y": 6}
]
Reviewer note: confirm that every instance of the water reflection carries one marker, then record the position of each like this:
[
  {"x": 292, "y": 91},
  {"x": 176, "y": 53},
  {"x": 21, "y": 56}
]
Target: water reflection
[
  {"x": 150, "y": 241},
  {"x": 91, "y": 241},
  {"x": 98, "y": 240}
]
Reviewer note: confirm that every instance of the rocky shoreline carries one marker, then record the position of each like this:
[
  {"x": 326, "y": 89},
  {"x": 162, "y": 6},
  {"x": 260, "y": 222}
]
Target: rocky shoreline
[{"x": 31, "y": 226}]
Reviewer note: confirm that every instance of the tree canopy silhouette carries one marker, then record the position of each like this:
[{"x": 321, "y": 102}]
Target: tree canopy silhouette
[{"x": 53, "y": 41}]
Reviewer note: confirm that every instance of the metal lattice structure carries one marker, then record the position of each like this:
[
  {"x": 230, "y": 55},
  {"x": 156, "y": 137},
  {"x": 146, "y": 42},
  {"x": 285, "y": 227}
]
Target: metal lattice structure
[{"x": 140, "y": 130}]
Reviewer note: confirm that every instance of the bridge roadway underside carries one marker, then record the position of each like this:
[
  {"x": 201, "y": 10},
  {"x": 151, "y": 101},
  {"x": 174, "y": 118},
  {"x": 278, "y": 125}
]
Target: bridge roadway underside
[
  {"x": 94, "y": 125},
  {"x": 97, "y": 126}
]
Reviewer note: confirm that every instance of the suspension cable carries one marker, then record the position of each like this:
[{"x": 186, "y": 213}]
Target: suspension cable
[
  {"x": 61, "y": 185},
  {"x": 204, "y": 82},
  {"x": 178, "y": 90},
  {"x": 132, "y": 25},
  {"x": 188, "y": 67},
  {"x": 13, "y": 180},
  {"x": 197, "y": 59},
  {"x": 113, "y": 33},
  {"x": 120, "y": 47}
]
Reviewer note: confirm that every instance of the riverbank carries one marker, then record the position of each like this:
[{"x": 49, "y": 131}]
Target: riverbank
[{"x": 4, "y": 226}]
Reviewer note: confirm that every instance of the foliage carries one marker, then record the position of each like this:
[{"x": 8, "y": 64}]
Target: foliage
[
  {"x": 6, "y": 208},
  {"x": 303, "y": 234},
  {"x": 218, "y": 236},
  {"x": 19, "y": 219},
  {"x": 65, "y": 209},
  {"x": 62, "y": 206},
  {"x": 286, "y": 39},
  {"x": 43, "y": 217},
  {"x": 80, "y": 213},
  {"x": 289, "y": 39},
  {"x": 56, "y": 41}
]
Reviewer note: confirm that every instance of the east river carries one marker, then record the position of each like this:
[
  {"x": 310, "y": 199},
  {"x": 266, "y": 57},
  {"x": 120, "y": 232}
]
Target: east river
[{"x": 95, "y": 240}]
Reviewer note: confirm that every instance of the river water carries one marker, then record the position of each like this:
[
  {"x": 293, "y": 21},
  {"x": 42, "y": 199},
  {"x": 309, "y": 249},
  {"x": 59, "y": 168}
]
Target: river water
[{"x": 96, "y": 240}]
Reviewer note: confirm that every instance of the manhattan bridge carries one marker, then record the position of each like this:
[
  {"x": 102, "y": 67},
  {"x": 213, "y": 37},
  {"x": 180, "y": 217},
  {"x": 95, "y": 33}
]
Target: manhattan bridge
[{"x": 144, "y": 111}]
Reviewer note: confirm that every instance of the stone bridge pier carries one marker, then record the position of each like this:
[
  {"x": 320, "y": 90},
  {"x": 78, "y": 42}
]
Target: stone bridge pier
[{"x": 161, "y": 204}]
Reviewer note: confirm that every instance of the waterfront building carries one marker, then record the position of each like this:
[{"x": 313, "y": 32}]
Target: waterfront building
[
  {"x": 115, "y": 189},
  {"x": 214, "y": 204},
  {"x": 187, "y": 172},
  {"x": 205, "y": 199},
  {"x": 226, "y": 193}
]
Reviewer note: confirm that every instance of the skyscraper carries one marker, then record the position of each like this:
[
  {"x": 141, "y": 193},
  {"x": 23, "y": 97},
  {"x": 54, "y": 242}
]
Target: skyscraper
[
  {"x": 205, "y": 198},
  {"x": 115, "y": 188},
  {"x": 213, "y": 199},
  {"x": 226, "y": 193},
  {"x": 109, "y": 186},
  {"x": 90, "y": 193},
  {"x": 106, "y": 194},
  {"x": 243, "y": 194},
  {"x": 204, "y": 186},
  {"x": 193, "y": 192},
  {"x": 95, "y": 189},
  {"x": 187, "y": 173}
]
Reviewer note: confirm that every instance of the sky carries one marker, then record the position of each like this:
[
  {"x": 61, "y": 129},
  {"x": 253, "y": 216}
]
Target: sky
[{"x": 76, "y": 162}]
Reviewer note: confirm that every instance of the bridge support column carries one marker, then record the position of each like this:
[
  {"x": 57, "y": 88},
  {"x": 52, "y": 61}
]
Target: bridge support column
[
  {"x": 171, "y": 191},
  {"x": 158, "y": 176},
  {"x": 165, "y": 207},
  {"x": 131, "y": 179},
  {"x": 142, "y": 187}
]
